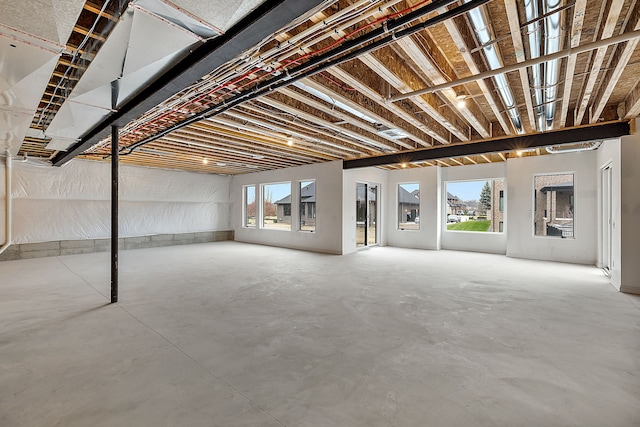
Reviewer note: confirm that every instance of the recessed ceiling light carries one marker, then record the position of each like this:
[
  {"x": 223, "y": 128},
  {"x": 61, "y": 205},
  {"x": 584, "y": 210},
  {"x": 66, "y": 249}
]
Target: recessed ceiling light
[
  {"x": 257, "y": 156},
  {"x": 461, "y": 103},
  {"x": 205, "y": 161},
  {"x": 289, "y": 141},
  {"x": 220, "y": 164},
  {"x": 403, "y": 165}
]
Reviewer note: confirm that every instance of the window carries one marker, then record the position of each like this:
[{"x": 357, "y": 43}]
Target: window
[
  {"x": 553, "y": 205},
  {"x": 276, "y": 206},
  {"x": 249, "y": 196},
  {"x": 476, "y": 206},
  {"x": 307, "y": 205},
  {"x": 409, "y": 206}
]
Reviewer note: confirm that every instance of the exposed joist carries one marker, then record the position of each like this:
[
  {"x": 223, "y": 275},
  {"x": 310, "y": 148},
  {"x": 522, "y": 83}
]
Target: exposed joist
[
  {"x": 577, "y": 24},
  {"x": 433, "y": 71},
  {"x": 343, "y": 73},
  {"x": 597, "y": 60},
  {"x": 330, "y": 145},
  {"x": 357, "y": 123},
  {"x": 354, "y": 99},
  {"x": 371, "y": 146},
  {"x": 621, "y": 55},
  {"x": 380, "y": 63},
  {"x": 516, "y": 36},
  {"x": 464, "y": 41},
  {"x": 630, "y": 107}
]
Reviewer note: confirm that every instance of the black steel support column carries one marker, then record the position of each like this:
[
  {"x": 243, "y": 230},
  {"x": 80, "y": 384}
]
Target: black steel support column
[{"x": 114, "y": 213}]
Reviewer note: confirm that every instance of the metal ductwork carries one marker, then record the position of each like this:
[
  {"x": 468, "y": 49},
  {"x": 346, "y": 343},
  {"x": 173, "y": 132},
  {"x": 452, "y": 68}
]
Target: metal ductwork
[
  {"x": 544, "y": 39},
  {"x": 485, "y": 36}
]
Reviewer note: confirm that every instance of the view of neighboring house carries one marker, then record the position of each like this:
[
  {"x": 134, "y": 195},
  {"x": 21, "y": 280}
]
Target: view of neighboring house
[
  {"x": 408, "y": 205},
  {"x": 307, "y": 206},
  {"x": 554, "y": 205},
  {"x": 496, "y": 212},
  {"x": 455, "y": 206}
]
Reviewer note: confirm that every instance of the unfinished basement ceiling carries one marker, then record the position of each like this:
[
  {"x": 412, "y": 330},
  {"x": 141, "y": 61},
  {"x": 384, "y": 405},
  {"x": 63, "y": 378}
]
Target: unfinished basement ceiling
[{"x": 312, "y": 92}]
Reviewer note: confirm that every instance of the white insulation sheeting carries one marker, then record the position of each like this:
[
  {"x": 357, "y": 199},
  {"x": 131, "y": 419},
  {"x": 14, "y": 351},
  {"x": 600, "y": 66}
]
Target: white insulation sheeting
[{"x": 73, "y": 202}]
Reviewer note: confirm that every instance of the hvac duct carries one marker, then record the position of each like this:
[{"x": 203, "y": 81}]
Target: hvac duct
[
  {"x": 574, "y": 148},
  {"x": 484, "y": 33},
  {"x": 544, "y": 75}
]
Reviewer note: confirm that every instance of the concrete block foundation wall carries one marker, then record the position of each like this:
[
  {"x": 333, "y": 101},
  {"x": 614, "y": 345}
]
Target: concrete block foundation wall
[{"x": 74, "y": 247}]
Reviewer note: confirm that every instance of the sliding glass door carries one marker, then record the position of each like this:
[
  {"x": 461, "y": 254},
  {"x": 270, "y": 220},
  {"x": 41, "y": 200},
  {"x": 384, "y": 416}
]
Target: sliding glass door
[{"x": 366, "y": 214}]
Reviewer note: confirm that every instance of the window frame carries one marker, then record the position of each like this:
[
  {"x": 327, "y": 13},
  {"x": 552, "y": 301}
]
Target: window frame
[
  {"x": 303, "y": 213},
  {"x": 445, "y": 215},
  {"x": 546, "y": 214},
  {"x": 245, "y": 223},
  {"x": 262, "y": 210},
  {"x": 399, "y": 218}
]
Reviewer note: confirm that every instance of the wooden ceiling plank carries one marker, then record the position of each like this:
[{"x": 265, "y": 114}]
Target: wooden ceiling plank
[
  {"x": 630, "y": 107},
  {"x": 341, "y": 149},
  {"x": 598, "y": 59},
  {"x": 516, "y": 36},
  {"x": 464, "y": 45},
  {"x": 621, "y": 56},
  {"x": 278, "y": 141},
  {"x": 282, "y": 105},
  {"x": 350, "y": 100},
  {"x": 347, "y": 77},
  {"x": 364, "y": 126},
  {"x": 222, "y": 129},
  {"x": 473, "y": 116},
  {"x": 380, "y": 64},
  {"x": 577, "y": 24}
]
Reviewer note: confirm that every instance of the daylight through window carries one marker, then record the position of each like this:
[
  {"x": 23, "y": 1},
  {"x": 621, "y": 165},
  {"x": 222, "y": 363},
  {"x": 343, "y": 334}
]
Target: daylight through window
[
  {"x": 249, "y": 196},
  {"x": 409, "y": 206},
  {"x": 476, "y": 206},
  {"x": 553, "y": 205},
  {"x": 276, "y": 206}
]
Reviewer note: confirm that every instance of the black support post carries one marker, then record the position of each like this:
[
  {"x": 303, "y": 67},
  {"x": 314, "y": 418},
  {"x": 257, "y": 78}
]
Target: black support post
[{"x": 114, "y": 214}]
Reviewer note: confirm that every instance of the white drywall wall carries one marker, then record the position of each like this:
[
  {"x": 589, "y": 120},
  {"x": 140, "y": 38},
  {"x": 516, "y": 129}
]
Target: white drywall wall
[
  {"x": 73, "y": 202},
  {"x": 609, "y": 154},
  {"x": 365, "y": 175},
  {"x": 473, "y": 241},
  {"x": 427, "y": 237},
  {"x": 521, "y": 243},
  {"x": 327, "y": 237},
  {"x": 630, "y": 211}
]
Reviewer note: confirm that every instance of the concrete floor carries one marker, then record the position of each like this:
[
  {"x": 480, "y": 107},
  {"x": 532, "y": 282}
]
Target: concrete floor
[{"x": 231, "y": 334}]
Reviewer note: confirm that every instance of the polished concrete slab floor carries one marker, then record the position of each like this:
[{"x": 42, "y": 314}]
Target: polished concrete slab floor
[{"x": 232, "y": 334}]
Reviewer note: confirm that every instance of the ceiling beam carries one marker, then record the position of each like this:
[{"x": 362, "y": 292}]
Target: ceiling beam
[
  {"x": 264, "y": 21},
  {"x": 355, "y": 99},
  {"x": 499, "y": 145},
  {"x": 394, "y": 71},
  {"x": 516, "y": 36},
  {"x": 465, "y": 42},
  {"x": 434, "y": 71},
  {"x": 607, "y": 31},
  {"x": 577, "y": 24},
  {"x": 346, "y": 74},
  {"x": 630, "y": 107},
  {"x": 621, "y": 56}
]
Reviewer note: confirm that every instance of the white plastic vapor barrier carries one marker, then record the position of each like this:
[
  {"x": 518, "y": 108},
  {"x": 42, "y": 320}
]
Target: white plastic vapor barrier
[{"x": 73, "y": 202}]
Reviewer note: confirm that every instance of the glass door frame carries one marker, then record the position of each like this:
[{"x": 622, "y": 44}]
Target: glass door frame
[{"x": 369, "y": 217}]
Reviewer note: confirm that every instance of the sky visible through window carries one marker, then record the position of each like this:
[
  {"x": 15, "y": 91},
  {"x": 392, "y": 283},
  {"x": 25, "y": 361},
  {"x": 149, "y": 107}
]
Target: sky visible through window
[{"x": 467, "y": 190}]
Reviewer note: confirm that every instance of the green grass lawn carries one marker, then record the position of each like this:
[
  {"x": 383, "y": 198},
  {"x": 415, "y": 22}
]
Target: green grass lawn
[{"x": 470, "y": 226}]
